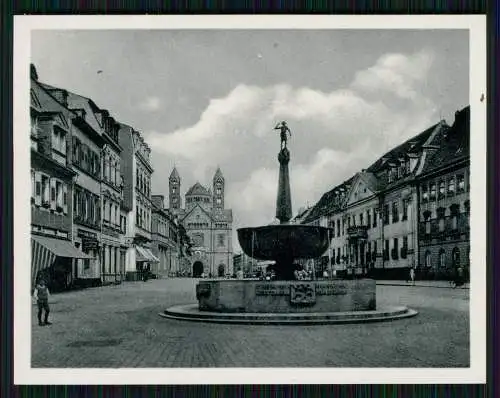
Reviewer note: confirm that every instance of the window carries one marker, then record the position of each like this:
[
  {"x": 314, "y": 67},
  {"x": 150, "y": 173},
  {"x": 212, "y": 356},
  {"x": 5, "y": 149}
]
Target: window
[
  {"x": 348, "y": 221},
  {"x": 456, "y": 257},
  {"x": 454, "y": 210},
  {"x": 45, "y": 185},
  {"x": 460, "y": 183},
  {"x": 433, "y": 191},
  {"x": 361, "y": 221},
  {"x": 425, "y": 193},
  {"x": 386, "y": 214},
  {"x": 406, "y": 203},
  {"x": 442, "y": 189},
  {"x": 395, "y": 249},
  {"x": 375, "y": 216},
  {"x": 404, "y": 249},
  {"x": 395, "y": 212},
  {"x": 59, "y": 140},
  {"x": 440, "y": 215},
  {"x": 368, "y": 219},
  {"x": 59, "y": 196},
  {"x": 220, "y": 240},
  {"x": 428, "y": 262},
  {"x": 338, "y": 228},
  {"x": 451, "y": 186},
  {"x": 386, "y": 251},
  {"x": 218, "y": 191},
  {"x": 427, "y": 218},
  {"x": 33, "y": 185},
  {"x": 442, "y": 259}
]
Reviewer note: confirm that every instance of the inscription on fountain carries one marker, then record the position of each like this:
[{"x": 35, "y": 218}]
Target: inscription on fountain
[
  {"x": 331, "y": 290},
  {"x": 274, "y": 289}
]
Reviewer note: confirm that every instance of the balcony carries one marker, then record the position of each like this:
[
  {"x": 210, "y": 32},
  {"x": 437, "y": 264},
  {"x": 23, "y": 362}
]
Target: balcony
[{"x": 357, "y": 232}]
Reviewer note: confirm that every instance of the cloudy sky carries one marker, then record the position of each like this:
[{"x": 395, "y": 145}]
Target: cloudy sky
[{"x": 211, "y": 98}]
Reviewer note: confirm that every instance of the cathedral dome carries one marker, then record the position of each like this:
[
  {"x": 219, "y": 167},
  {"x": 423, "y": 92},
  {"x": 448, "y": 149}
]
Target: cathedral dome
[{"x": 198, "y": 190}]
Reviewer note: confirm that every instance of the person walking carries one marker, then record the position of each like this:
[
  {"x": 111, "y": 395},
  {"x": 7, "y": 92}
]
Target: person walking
[
  {"x": 41, "y": 296},
  {"x": 412, "y": 276}
]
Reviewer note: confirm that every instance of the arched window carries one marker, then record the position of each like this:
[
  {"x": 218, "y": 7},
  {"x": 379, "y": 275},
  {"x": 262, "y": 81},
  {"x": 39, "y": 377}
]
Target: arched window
[
  {"x": 442, "y": 258},
  {"x": 428, "y": 263}
]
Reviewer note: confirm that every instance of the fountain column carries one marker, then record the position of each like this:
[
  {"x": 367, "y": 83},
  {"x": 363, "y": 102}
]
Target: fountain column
[{"x": 284, "y": 199}]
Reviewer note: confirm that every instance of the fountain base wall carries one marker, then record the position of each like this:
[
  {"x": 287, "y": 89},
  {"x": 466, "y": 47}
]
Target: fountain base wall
[{"x": 250, "y": 296}]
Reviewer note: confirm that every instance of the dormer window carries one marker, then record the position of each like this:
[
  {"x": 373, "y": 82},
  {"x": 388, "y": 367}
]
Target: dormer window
[{"x": 59, "y": 140}]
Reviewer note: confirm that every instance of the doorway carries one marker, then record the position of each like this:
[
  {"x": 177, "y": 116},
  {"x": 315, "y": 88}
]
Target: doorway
[
  {"x": 197, "y": 269},
  {"x": 220, "y": 270}
]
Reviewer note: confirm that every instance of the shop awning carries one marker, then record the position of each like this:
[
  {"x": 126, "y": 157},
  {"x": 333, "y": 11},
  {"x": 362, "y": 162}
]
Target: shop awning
[
  {"x": 59, "y": 247},
  {"x": 143, "y": 254},
  {"x": 44, "y": 251}
]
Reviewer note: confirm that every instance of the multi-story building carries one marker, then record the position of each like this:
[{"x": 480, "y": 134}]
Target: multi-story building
[
  {"x": 85, "y": 153},
  {"x": 374, "y": 216},
  {"x": 52, "y": 179},
  {"x": 111, "y": 198},
  {"x": 136, "y": 171},
  {"x": 444, "y": 205},
  {"x": 165, "y": 236},
  {"x": 208, "y": 224}
]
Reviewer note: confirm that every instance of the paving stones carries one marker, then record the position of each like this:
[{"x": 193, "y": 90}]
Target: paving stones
[{"x": 437, "y": 337}]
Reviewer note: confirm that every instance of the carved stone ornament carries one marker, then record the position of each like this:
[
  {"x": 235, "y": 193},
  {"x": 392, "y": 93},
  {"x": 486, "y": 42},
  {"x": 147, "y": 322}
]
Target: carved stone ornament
[{"x": 303, "y": 293}]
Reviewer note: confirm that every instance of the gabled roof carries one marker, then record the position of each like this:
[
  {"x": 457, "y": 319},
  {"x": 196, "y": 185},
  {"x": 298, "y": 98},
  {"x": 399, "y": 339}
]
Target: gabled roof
[
  {"x": 414, "y": 144},
  {"x": 196, "y": 206},
  {"x": 453, "y": 145},
  {"x": 197, "y": 189}
]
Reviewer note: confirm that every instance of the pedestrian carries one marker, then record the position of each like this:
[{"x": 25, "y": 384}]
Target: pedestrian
[
  {"x": 412, "y": 276},
  {"x": 41, "y": 296}
]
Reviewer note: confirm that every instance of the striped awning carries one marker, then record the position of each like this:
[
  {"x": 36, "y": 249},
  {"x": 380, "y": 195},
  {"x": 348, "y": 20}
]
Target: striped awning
[
  {"x": 44, "y": 251},
  {"x": 143, "y": 254}
]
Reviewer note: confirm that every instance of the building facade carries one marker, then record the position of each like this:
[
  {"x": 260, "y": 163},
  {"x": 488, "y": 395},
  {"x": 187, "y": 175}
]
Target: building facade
[
  {"x": 136, "y": 171},
  {"x": 208, "y": 224},
  {"x": 444, "y": 204},
  {"x": 376, "y": 217},
  {"x": 54, "y": 254},
  {"x": 165, "y": 239}
]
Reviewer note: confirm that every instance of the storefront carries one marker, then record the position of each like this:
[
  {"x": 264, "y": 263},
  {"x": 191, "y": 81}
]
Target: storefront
[
  {"x": 52, "y": 259},
  {"x": 144, "y": 259}
]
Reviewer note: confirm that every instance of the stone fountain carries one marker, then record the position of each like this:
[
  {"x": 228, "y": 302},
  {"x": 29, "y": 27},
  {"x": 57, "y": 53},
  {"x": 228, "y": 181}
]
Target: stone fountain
[{"x": 286, "y": 300}]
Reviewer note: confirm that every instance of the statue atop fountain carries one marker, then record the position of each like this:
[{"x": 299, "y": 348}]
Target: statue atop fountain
[{"x": 283, "y": 133}]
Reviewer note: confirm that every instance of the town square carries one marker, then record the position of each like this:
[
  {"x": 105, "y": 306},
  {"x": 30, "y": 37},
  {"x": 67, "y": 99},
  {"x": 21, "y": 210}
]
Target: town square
[{"x": 253, "y": 198}]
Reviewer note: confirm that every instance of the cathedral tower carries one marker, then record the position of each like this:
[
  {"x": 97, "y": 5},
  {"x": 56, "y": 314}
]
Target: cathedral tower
[
  {"x": 218, "y": 184},
  {"x": 174, "y": 187}
]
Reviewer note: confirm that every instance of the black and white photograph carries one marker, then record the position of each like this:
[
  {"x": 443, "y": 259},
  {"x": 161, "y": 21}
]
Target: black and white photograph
[{"x": 235, "y": 199}]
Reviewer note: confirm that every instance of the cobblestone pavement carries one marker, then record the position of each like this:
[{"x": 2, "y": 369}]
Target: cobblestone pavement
[{"x": 119, "y": 326}]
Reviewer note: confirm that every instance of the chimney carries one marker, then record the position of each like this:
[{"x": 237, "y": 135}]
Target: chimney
[{"x": 33, "y": 73}]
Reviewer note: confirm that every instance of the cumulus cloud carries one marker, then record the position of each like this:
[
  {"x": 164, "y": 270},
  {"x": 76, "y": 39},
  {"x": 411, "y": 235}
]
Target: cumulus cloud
[
  {"x": 150, "y": 104},
  {"x": 334, "y": 134},
  {"x": 396, "y": 73}
]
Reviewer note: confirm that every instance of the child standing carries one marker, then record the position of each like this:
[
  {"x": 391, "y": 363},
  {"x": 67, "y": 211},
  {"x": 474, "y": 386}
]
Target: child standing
[{"x": 42, "y": 299}]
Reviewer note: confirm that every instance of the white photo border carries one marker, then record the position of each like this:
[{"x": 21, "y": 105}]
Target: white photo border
[{"x": 25, "y": 374}]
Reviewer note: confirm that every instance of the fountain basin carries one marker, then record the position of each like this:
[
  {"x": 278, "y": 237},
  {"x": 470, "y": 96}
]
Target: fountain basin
[
  {"x": 278, "y": 297},
  {"x": 273, "y": 242}
]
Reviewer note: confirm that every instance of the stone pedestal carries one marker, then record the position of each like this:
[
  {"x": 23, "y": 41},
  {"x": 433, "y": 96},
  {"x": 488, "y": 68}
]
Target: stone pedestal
[{"x": 275, "y": 297}]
